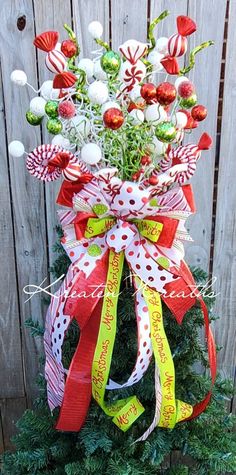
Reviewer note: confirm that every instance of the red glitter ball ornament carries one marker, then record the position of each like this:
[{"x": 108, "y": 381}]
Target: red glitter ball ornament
[
  {"x": 113, "y": 118},
  {"x": 186, "y": 89},
  {"x": 148, "y": 92},
  {"x": 199, "y": 112},
  {"x": 165, "y": 93},
  {"x": 68, "y": 48},
  {"x": 66, "y": 109}
]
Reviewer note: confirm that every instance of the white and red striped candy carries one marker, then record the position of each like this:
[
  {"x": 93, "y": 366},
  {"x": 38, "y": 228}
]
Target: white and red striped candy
[
  {"x": 55, "y": 61},
  {"x": 37, "y": 162},
  {"x": 73, "y": 170},
  {"x": 177, "y": 45}
]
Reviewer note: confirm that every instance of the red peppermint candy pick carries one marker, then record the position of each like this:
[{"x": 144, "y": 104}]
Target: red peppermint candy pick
[
  {"x": 170, "y": 64},
  {"x": 185, "y": 25},
  {"x": 64, "y": 80},
  {"x": 46, "y": 41}
]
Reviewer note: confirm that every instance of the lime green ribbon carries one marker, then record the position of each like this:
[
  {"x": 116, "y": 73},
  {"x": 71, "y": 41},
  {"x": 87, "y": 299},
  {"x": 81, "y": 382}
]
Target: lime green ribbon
[
  {"x": 123, "y": 411},
  {"x": 147, "y": 227}
]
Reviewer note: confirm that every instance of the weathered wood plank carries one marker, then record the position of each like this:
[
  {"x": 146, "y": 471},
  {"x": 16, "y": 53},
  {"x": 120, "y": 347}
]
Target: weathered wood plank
[
  {"x": 224, "y": 267},
  {"x": 11, "y": 410},
  {"x": 49, "y": 17},
  {"x": 206, "y": 76},
  {"x": 129, "y": 20},
  {"x": 84, "y": 12},
  {"x": 11, "y": 369},
  {"x": 27, "y": 194}
]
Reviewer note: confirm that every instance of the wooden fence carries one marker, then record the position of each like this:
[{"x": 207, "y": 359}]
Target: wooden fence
[{"x": 28, "y": 214}]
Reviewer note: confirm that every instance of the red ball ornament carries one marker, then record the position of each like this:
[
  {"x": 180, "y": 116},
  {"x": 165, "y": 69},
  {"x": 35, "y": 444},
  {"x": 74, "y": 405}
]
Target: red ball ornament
[
  {"x": 165, "y": 93},
  {"x": 199, "y": 112},
  {"x": 146, "y": 160},
  {"x": 153, "y": 180},
  {"x": 136, "y": 176},
  {"x": 66, "y": 109},
  {"x": 186, "y": 89},
  {"x": 113, "y": 118},
  {"x": 68, "y": 48},
  {"x": 148, "y": 92}
]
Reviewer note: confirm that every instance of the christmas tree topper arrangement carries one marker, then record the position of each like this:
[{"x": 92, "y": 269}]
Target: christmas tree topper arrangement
[{"x": 118, "y": 123}]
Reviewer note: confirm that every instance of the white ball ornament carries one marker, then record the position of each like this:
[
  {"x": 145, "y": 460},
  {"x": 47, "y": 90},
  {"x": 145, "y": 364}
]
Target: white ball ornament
[
  {"x": 98, "y": 92},
  {"x": 137, "y": 116},
  {"x": 180, "y": 120},
  {"x": 61, "y": 141},
  {"x": 82, "y": 125},
  {"x": 19, "y": 77},
  {"x": 155, "y": 59},
  {"x": 37, "y": 106},
  {"x": 87, "y": 66},
  {"x": 158, "y": 146},
  {"x": 95, "y": 29},
  {"x": 162, "y": 45},
  {"x": 180, "y": 80},
  {"x": 16, "y": 148},
  {"x": 98, "y": 71},
  {"x": 109, "y": 105},
  {"x": 155, "y": 113},
  {"x": 48, "y": 92},
  {"x": 91, "y": 153},
  {"x": 135, "y": 93}
]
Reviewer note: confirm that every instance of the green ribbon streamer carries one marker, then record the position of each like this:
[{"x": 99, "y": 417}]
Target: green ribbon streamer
[
  {"x": 192, "y": 56},
  {"x": 153, "y": 25}
]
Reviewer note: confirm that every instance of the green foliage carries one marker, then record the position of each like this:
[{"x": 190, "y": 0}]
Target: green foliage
[{"x": 100, "y": 447}]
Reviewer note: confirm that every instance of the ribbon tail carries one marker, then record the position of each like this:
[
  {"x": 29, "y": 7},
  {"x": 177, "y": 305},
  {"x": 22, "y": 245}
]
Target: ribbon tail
[{"x": 78, "y": 389}]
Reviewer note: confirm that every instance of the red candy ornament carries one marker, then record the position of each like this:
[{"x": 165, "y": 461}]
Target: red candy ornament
[
  {"x": 170, "y": 64},
  {"x": 68, "y": 48},
  {"x": 64, "y": 80},
  {"x": 191, "y": 123},
  {"x": 148, "y": 92},
  {"x": 165, "y": 93},
  {"x": 113, "y": 118},
  {"x": 46, "y": 41},
  {"x": 186, "y": 89},
  {"x": 177, "y": 44},
  {"x": 199, "y": 113},
  {"x": 66, "y": 109}
]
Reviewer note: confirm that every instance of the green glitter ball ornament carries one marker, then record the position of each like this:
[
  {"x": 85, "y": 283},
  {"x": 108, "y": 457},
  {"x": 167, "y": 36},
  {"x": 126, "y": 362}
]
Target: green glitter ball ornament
[
  {"x": 33, "y": 119},
  {"x": 54, "y": 126},
  {"x": 188, "y": 102},
  {"x": 51, "y": 109},
  {"x": 165, "y": 132},
  {"x": 110, "y": 62}
]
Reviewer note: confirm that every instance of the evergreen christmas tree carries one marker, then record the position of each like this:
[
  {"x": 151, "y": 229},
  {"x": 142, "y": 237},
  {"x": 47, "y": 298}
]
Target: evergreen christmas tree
[{"x": 100, "y": 447}]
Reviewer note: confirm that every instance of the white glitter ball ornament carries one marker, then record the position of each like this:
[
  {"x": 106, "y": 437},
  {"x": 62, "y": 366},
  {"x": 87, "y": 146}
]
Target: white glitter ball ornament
[
  {"x": 16, "y": 148},
  {"x": 98, "y": 92},
  {"x": 47, "y": 91},
  {"x": 162, "y": 45},
  {"x": 98, "y": 71},
  {"x": 19, "y": 77},
  {"x": 135, "y": 93},
  {"x": 87, "y": 66},
  {"x": 180, "y": 120},
  {"x": 95, "y": 29},
  {"x": 155, "y": 113},
  {"x": 155, "y": 59},
  {"x": 82, "y": 125},
  {"x": 137, "y": 116},
  {"x": 61, "y": 141},
  {"x": 37, "y": 106},
  {"x": 91, "y": 153}
]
